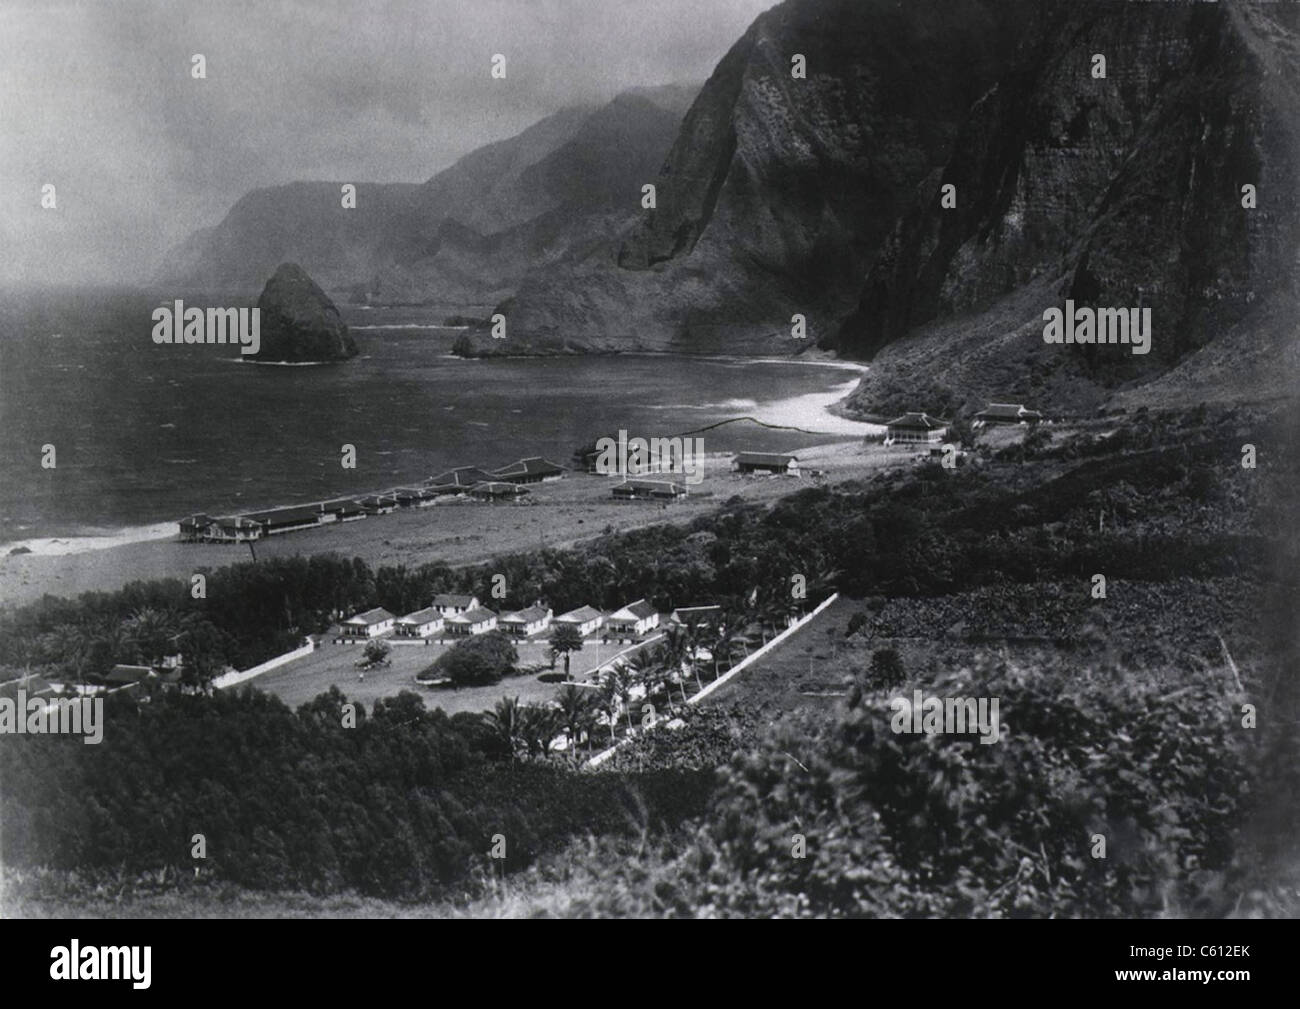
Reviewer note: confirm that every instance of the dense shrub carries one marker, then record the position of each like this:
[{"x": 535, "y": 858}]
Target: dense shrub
[
  {"x": 922, "y": 825},
  {"x": 404, "y": 804},
  {"x": 476, "y": 661}
]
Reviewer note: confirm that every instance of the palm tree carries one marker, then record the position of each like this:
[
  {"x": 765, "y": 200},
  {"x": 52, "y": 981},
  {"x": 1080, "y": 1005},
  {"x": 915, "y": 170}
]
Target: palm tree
[
  {"x": 538, "y": 725},
  {"x": 692, "y": 647},
  {"x": 668, "y": 673},
  {"x": 80, "y": 647},
  {"x": 675, "y": 648},
  {"x": 609, "y": 699},
  {"x": 564, "y": 639},
  {"x": 575, "y": 712},
  {"x": 503, "y": 722},
  {"x": 644, "y": 668},
  {"x": 623, "y": 686},
  {"x": 150, "y": 631}
]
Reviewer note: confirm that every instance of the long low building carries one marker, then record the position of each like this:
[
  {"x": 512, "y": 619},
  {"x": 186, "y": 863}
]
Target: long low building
[
  {"x": 766, "y": 462},
  {"x": 649, "y": 490},
  {"x": 342, "y": 510},
  {"x": 286, "y": 520},
  {"x": 459, "y": 480},
  {"x": 233, "y": 529},
  {"x": 1005, "y": 413},
  {"x": 497, "y": 490},
  {"x": 534, "y": 469}
]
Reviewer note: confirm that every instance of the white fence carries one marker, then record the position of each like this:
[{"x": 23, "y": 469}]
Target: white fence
[
  {"x": 235, "y": 676},
  {"x": 739, "y": 667}
]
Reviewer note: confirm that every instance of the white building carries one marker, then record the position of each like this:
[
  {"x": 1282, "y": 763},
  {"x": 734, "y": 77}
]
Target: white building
[
  {"x": 420, "y": 624},
  {"x": 915, "y": 429},
  {"x": 526, "y": 622},
  {"x": 585, "y": 619},
  {"x": 370, "y": 624},
  {"x": 633, "y": 620},
  {"x": 475, "y": 621},
  {"x": 451, "y": 605}
]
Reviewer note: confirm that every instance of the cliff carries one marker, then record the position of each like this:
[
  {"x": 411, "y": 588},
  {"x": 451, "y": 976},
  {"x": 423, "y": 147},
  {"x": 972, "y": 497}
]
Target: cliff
[{"x": 1120, "y": 192}]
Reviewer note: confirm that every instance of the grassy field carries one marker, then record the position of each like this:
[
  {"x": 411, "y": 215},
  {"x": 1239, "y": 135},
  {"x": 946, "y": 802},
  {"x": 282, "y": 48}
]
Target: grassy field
[{"x": 335, "y": 666}]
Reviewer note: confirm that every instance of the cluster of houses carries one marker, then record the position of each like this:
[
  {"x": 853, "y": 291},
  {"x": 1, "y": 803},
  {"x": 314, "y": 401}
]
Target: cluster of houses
[
  {"x": 461, "y": 616},
  {"x": 509, "y": 483},
  {"x": 922, "y": 429}
]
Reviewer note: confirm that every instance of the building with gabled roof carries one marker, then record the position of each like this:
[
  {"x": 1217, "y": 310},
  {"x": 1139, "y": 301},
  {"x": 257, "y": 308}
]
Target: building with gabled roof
[
  {"x": 124, "y": 675},
  {"x": 915, "y": 429},
  {"x": 370, "y": 624},
  {"x": 378, "y": 504},
  {"x": 1005, "y": 413},
  {"x": 497, "y": 490},
  {"x": 460, "y": 479},
  {"x": 766, "y": 462},
  {"x": 633, "y": 620},
  {"x": 697, "y": 616},
  {"x": 534, "y": 469},
  {"x": 286, "y": 520},
  {"x": 471, "y": 622},
  {"x": 234, "y": 529},
  {"x": 526, "y": 622},
  {"x": 585, "y": 619},
  {"x": 649, "y": 490},
  {"x": 449, "y": 604},
  {"x": 342, "y": 510},
  {"x": 195, "y": 527},
  {"x": 420, "y": 624}
]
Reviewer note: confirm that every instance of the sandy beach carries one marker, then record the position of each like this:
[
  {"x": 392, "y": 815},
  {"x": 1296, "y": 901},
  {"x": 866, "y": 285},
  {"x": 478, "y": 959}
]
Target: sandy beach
[
  {"x": 461, "y": 532},
  {"x": 456, "y": 532}
]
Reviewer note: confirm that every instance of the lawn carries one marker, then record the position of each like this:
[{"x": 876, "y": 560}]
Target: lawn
[{"x": 335, "y": 665}]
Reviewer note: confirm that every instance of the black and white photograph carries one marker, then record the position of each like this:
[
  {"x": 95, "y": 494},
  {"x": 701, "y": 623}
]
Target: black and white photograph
[{"x": 632, "y": 459}]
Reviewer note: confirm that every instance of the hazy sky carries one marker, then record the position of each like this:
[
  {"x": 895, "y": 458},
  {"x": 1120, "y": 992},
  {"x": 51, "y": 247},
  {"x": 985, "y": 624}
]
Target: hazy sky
[{"x": 97, "y": 98}]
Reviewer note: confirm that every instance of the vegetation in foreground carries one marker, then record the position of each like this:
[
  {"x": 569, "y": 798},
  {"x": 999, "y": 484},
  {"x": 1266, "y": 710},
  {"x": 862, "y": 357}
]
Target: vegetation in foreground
[{"x": 1198, "y": 811}]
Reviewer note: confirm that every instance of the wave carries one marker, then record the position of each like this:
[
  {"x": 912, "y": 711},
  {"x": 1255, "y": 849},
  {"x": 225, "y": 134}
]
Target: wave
[
  {"x": 278, "y": 364},
  {"x": 57, "y": 546},
  {"x": 408, "y": 325}
]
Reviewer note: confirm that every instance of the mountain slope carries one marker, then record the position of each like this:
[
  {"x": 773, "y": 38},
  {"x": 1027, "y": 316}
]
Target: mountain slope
[
  {"x": 465, "y": 235},
  {"x": 1117, "y": 192},
  {"x": 778, "y": 190}
]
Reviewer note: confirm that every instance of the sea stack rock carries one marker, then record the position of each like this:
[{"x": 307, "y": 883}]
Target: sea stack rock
[{"x": 299, "y": 322}]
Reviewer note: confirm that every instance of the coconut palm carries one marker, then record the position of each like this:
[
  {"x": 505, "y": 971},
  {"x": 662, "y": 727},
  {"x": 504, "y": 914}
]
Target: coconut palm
[
  {"x": 503, "y": 721},
  {"x": 150, "y": 631},
  {"x": 576, "y": 706},
  {"x": 670, "y": 672},
  {"x": 644, "y": 669},
  {"x": 609, "y": 699},
  {"x": 538, "y": 725},
  {"x": 564, "y": 639}
]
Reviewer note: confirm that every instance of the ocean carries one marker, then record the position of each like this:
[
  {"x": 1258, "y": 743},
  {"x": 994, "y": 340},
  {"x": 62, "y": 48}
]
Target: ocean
[{"x": 145, "y": 434}]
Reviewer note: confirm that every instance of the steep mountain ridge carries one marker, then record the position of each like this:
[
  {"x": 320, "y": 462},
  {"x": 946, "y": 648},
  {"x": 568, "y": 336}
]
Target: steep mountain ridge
[
  {"x": 1118, "y": 192},
  {"x": 778, "y": 190},
  {"x": 465, "y": 235}
]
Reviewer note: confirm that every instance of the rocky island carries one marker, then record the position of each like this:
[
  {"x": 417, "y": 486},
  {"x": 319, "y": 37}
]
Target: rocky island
[{"x": 299, "y": 321}]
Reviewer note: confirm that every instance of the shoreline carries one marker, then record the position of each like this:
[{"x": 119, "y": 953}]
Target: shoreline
[
  {"x": 461, "y": 533},
  {"x": 810, "y": 413}
]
